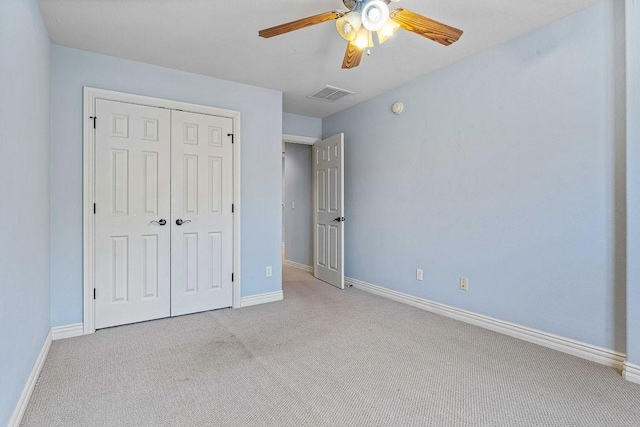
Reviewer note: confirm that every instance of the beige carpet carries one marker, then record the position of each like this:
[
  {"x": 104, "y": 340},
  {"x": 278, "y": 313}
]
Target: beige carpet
[{"x": 322, "y": 357}]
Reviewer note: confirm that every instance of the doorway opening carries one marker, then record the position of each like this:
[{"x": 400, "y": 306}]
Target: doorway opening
[
  {"x": 313, "y": 206},
  {"x": 297, "y": 202}
]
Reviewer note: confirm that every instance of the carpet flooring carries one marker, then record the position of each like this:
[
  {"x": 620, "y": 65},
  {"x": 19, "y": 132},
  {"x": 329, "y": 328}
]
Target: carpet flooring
[{"x": 321, "y": 357}]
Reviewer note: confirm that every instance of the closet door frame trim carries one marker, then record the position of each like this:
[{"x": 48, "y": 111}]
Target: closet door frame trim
[{"x": 90, "y": 95}]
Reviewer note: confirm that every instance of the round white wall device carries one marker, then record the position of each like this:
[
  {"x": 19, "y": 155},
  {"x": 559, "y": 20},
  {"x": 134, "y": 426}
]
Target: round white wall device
[{"x": 397, "y": 108}]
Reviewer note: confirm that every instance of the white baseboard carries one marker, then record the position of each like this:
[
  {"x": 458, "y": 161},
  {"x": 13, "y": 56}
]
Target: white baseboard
[
  {"x": 21, "y": 406},
  {"x": 631, "y": 372},
  {"x": 67, "y": 331},
  {"x": 565, "y": 345},
  {"x": 261, "y": 299},
  {"x": 299, "y": 266}
]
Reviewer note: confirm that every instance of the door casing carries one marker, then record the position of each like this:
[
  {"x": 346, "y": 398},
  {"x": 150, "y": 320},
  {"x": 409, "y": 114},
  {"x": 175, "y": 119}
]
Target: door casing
[{"x": 90, "y": 95}]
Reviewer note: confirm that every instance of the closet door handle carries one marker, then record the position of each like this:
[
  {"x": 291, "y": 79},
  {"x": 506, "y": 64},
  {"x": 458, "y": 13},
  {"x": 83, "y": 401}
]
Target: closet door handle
[
  {"x": 180, "y": 222},
  {"x": 162, "y": 222}
]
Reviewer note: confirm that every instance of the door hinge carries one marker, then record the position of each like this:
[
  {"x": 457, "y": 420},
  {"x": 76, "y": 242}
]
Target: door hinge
[
  {"x": 94, "y": 118},
  {"x": 94, "y": 208},
  {"x": 232, "y": 277},
  {"x": 231, "y": 135},
  {"x": 94, "y": 293},
  {"x": 233, "y": 208}
]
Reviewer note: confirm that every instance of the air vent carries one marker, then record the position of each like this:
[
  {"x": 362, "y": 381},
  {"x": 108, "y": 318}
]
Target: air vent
[{"x": 330, "y": 94}]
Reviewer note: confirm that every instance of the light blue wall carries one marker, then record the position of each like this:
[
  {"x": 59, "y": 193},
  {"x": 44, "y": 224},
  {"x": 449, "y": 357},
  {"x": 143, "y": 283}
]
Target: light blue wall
[
  {"x": 505, "y": 168},
  {"x": 261, "y": 120},
  {"x": 633, "y": 181},
  {"x": 295, "y": 124},
  {"x": 25, "y": 53},
  {"x": 298, "y": 228}
]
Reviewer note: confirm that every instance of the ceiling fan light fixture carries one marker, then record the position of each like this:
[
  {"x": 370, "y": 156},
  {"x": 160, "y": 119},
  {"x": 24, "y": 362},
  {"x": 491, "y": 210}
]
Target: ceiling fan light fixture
[
  {"x": 375, "y": 15},
  {"x": 349, "y": 25},
  {"x": 363, "y": 19}
]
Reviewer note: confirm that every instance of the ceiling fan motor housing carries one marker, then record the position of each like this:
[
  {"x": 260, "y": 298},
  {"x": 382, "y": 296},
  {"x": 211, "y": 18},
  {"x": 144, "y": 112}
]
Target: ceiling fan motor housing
[{"x": 357, "y": 5}]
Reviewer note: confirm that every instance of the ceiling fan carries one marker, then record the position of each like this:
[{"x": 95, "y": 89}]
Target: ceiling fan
[{"x": 366, "y": 17}]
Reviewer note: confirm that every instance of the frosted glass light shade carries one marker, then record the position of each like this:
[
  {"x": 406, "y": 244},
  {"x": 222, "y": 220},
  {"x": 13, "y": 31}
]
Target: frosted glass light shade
[
  {"x": 374, "y": 15},
  {"x": 387, "y": 31},
  {"x": 349, "y": 25}
]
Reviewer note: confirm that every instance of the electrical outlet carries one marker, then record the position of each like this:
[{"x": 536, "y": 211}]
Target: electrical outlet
[
  {"x": 269, "y": 271},
  {"x": 464, "y": 284},
  {"x": 419, "y": 274}
]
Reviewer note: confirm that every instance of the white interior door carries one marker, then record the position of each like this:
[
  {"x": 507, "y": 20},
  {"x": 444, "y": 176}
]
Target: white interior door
[
  {"x": 328, "y": 210},
  {"x": 132, "y": 213},
  {"x": 201, "y": 212}
]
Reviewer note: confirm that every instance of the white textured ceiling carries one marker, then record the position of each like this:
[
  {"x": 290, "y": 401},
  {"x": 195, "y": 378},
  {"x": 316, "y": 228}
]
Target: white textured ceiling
[{"x": 220, "y": 38}]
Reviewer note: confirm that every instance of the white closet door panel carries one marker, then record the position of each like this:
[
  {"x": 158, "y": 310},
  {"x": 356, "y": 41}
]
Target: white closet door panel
[
  {"x": 202, "y": 197},
  {"x": 132, "y": 184}
]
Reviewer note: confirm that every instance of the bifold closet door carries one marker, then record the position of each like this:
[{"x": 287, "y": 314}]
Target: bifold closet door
[
  {"x": 132, "y": 213},
  {"x": 201, "y": 212}
]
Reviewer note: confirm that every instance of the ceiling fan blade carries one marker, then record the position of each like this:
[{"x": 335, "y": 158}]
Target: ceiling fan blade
[
  {"x": 299, "y": 24},
  {"x": 352, "y": 56},
  {"x": 426, "y": 27}
]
